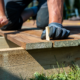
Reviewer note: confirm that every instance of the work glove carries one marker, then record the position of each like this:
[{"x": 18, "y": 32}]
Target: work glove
[{"x": 56, "y": 32}]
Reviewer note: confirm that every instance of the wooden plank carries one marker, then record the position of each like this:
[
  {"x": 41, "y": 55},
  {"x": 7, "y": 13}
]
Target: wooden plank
[
  {"x": 30, "y": 39},
  {"x": 72, "y": 41},
  {"x": 21, "y": 61},
  {"x": 75, "y": 29},
  {"x": 26, "y": 41},
  {"x": 66, "y": 43},
  {"x": 29, "y": 42}
]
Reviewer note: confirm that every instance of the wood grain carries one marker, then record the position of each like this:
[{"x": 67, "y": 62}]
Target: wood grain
[
  {"x": 30, "y": 38},
  {"x": 25, "y": 40}
]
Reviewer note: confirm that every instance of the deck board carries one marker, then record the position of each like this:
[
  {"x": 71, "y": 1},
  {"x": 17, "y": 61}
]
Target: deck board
[
  {"x": 25, "y": 40},
  {"x": 29, "y": 38}
]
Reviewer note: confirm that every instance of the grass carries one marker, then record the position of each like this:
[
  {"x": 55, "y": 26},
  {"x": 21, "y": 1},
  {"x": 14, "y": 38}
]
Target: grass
[{"x": 74, "y": 74}]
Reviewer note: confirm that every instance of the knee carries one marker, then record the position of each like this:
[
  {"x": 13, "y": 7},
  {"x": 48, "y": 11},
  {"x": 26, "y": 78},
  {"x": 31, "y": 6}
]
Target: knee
[
  {"x": 41, "y": 23},
  {"x": 42, "y": 17}
]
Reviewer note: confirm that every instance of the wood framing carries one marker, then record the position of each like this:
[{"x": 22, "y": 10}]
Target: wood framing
[
  {"x": 36, "y": 55},
  {"x": 16, "y": 62},
  {"x": 30, "y": 38}
]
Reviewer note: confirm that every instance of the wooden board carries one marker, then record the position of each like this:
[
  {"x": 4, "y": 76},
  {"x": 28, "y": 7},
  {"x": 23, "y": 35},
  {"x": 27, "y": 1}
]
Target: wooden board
[
  {"x": 25, "y": 40},
  {"x": 30, "y": 38}
]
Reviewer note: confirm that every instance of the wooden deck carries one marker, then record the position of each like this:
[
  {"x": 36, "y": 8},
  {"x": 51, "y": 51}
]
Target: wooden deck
[
  {"x": 15, "y": 61},
  {"x": 29, "y": 36}
]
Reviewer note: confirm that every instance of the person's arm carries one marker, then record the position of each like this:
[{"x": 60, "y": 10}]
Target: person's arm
[
  {"x": 55, "y": 8},
  {"x": 2, "y": 13},
  {"x": 3, "y": 19}
]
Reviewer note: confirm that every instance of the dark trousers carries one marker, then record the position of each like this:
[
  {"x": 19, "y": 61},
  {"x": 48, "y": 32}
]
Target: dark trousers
[{"x": 14, "y": 8}]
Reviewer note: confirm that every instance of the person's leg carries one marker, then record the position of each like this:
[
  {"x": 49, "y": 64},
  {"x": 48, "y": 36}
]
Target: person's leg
[
  {"x": 13, "y": 11},
  {"x": 26, "y": 14},
  {"x": 42, "y": 16},
  {"x": 29, "y": 12},
  {"x": 32, "y": 11}
]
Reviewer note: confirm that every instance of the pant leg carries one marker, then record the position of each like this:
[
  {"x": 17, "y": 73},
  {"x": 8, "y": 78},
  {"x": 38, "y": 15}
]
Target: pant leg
[
  {"x": 42, "y": 16},
  {"x": 13, "y": 10}
]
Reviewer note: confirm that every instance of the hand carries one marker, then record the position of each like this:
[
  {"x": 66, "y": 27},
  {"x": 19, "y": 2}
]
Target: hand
[
  {"x": 3, "y": 21},
  {"x": 56, "y": 32}
]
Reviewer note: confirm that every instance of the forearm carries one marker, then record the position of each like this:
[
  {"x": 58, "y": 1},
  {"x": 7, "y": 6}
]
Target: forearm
[
  {"x": 55, "y": 8},
  {"x": 2, "y": 8}
]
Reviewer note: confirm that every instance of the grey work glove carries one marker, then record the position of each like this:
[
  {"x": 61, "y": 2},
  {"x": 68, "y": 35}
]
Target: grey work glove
[{"x": 56, "y": 32}]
